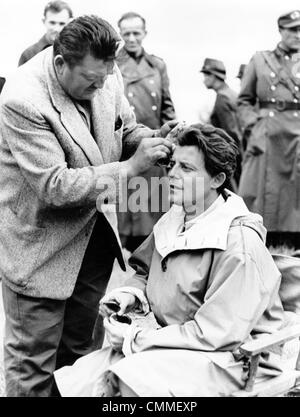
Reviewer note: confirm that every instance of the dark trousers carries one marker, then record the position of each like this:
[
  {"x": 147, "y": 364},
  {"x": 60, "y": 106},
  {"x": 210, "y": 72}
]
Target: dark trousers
[{"x": 42, "y": 334}]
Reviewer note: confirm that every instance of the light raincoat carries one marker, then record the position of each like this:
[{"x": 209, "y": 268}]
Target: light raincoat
[{"x": 211, "y": 288}]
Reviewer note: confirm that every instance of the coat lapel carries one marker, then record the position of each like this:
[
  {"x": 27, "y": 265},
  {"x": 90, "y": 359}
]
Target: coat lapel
[
  {"x": 132, "y": 71},
  {"x": 103, "y": 121},
  {"x": 70, "y": 117}
]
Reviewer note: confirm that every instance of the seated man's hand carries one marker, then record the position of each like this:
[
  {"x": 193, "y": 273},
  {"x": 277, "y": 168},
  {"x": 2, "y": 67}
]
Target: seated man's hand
[
  {"x": 117, "y": 301},
  {"x": 115, "y": 333}
]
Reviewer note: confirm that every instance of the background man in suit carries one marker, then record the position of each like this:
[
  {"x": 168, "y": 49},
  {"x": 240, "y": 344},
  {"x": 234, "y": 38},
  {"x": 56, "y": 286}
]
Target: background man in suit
[
  {"x": 56, "y": 15},
  {"x": 64, "y": 121},
  {"x": 146, "y": 85},
  {"x": 224, "y": 114}
]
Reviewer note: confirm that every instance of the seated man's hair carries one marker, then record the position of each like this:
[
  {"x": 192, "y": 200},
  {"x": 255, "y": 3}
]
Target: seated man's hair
[
  {"x": 131, "y": 15},
  {"x": 86, "y": 35},
  {"x": 219, "y": 149},
  {"x": 57, "y": 7}
]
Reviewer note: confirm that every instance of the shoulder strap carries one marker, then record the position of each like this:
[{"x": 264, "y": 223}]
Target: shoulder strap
[{"x": 284, "y": 77}]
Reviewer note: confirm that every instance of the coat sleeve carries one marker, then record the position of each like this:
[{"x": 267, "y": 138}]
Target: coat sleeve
[
  {"x": 140, "y": 261},
  {"x": 42, "y": 161},
  {"x": 247, "y": 98},
  {"x": 167, "y": 107},
  {"x": 235, "y": 300}
]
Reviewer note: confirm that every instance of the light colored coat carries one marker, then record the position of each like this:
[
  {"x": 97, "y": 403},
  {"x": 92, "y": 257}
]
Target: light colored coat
[
  {"x": 52, "y": 172},
  {"x": 211, "y": 288}
]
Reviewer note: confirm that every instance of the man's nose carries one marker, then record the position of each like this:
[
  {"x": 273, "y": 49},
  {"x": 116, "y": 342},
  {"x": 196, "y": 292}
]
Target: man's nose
[
  {"x": 131, "y": 37},
  {"x": 100, "y": 82}
]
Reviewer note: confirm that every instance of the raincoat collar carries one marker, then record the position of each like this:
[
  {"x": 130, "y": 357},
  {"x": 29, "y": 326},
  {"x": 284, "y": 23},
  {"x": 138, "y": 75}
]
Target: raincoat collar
[{"x": 209, "y": 230}]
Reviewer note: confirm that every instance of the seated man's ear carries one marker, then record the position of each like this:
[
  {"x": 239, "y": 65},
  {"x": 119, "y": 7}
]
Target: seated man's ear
[{"x": 218, "y": 180}]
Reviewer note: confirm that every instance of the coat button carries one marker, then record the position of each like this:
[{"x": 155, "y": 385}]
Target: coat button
[
  {"x": 153, "y": 94},
  {"x": 296, "y": 114},
  {"x": 273, "y": 87},
  {"x": 130, "y": 94},
  {"x": 151, "y": 81},
  {"x": 273, "y": 74},
  {"x": 273, "y": 100},
  {"x": 296, "y": 88},
  {"x": 132, "y": 107},
  {"x": 271, "y": 114},
  {"x": 286, "y": 57},
  {"x": 295, "y": 100},
  {"x": 154, "y": 108}
]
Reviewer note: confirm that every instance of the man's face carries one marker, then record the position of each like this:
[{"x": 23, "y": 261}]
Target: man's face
[
  {"x": 190, "y": 183},
  {"x": 54, "y": 23},
  {"x": 208, "y": 80},
  {"x": 133, "y": 33},
  {"x": 291, "y": 37},
  {"x": 83, "y": 80}
]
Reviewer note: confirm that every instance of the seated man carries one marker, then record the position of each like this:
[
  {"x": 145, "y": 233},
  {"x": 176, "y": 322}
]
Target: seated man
[{"x": 207, "y": 277}]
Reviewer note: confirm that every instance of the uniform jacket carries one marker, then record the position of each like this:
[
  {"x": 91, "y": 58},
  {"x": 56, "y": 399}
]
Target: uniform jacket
[
  {"x": 224, "y": 114},
  {"x": 270, "y": 182},
  {"x": 147, "y": 90},
  {"x": 211, "y": 288},
  {"x": 52, "y": 173},
  {"x": 34, "y": 49}
]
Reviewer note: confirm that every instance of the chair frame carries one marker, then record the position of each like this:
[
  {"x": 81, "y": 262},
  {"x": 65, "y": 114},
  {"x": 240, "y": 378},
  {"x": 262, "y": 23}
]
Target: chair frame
[{"x": 276, "y": 386}]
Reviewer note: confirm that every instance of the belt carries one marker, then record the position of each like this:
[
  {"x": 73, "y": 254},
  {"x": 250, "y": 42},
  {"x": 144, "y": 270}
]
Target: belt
[{"x": 280, "y": 105}]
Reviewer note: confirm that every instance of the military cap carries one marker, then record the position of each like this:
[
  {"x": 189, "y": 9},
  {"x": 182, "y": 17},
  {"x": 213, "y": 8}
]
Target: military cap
[
  {"x": 289, "y": 20},
  {"x": 241, "y": 71},
  {"x": 214, "y": 66}
]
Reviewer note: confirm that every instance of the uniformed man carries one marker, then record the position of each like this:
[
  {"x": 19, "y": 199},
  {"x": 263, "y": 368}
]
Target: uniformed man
[
  {"x": 147, "y": 89},
  {"x": 224, "y": 114},
  {"x": 56, "y": 15},
  {"x": 270, "y": 182}
]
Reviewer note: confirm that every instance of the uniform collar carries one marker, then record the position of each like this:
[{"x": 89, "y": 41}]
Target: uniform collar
[
  {"x": 282, "y": 50},
  {"x": 209, "y": 230}
]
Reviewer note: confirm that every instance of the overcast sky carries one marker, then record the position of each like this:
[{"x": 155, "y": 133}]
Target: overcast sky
[{"x": 182, "y": 32}]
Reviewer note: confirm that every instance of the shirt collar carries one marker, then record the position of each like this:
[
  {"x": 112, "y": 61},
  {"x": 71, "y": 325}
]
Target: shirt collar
[{"x": 209, "y": 230}]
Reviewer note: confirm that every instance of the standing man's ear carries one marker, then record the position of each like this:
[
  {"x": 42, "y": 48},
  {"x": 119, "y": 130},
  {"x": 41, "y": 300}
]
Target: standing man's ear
[{"x": 59, "y": 63}]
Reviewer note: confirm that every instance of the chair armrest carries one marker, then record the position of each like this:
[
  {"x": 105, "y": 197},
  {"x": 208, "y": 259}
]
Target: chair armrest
[{"x": 269, "y": 341}]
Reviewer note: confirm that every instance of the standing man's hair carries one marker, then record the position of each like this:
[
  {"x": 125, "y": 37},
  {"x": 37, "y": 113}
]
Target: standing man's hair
[
  {"x": 57, "y": 7},
  {"x": 86, "y": 35},
  {"x": 131, "y": 15}
]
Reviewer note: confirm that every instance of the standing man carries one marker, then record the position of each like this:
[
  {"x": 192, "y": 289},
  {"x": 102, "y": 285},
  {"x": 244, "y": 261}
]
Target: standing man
[
  {"x": 56, "y": 15},
  {"x": 147, "y": 89},
  {"x": 224, "y": 114},
  {"x": 270, "y": 183},
  {"x": 64, "y": 121}
]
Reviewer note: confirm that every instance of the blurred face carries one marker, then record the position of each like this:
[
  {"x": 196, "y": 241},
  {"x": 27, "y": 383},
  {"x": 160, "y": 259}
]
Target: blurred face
[
  {"x": 209, "y": 80},
  {"x": 291, "y": 37},
  {"x": 191, "y": 186},
  {"x": 54, "y": 23},
  {"x": 83, "y": 80},
  {"x": 133, "y": 33}
]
